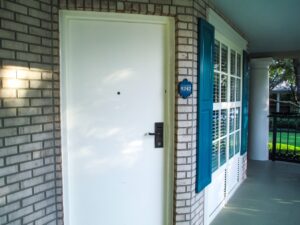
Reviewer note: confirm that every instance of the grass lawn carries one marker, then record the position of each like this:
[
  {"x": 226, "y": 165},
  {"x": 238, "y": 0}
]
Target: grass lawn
[{"x": 288, "y": 142}]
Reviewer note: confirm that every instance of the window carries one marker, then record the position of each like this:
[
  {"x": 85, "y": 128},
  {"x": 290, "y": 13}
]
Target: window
[
  {"x": 215, "y": 156},
  {"x": 231, "y": 120},
  {"x": 224, "y": 88},
  {"x": 217, "y": 56},
  {"x": 223, "y": 151},
  {"x": 227, "y": 103},
  {"x": 232, "y": 62},
  {"x": 224, "y": 58},
  {"x": 215, "y": 127},
  {"x": 223, "y": 126},
  {"x": 232, "y": 89},
  {"x": 216, "y": 87},
  {"x": 231, "y": 145}
]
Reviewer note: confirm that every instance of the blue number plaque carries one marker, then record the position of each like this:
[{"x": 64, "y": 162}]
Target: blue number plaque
[{"x": 185, "y": 88}]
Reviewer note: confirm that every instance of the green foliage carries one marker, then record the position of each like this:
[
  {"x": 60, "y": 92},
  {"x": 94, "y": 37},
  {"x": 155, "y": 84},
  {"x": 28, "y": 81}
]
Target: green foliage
[{"x": 282, "y": 70}]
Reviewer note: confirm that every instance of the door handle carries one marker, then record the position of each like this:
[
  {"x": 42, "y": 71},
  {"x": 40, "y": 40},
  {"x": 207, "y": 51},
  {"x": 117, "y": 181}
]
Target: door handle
[{"x": 158, "y": 135}]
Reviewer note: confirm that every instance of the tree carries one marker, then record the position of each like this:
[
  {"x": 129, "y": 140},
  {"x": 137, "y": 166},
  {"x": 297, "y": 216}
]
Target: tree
[
  {"x": 287, "y": 72},
  {"x": 296, "y": 63},
  {"x": 283, "y": 70}
]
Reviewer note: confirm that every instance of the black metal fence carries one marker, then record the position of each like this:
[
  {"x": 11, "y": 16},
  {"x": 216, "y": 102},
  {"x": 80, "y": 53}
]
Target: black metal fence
[{"x": 284, "y": 137}]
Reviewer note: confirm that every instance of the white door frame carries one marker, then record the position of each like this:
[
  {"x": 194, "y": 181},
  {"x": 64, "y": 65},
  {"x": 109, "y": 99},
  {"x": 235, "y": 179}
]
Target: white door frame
[{"x": 65, "y": 16}]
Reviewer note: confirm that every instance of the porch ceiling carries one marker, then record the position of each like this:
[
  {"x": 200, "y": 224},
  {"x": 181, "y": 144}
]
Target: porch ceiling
[{"x": 272, "y": 27}]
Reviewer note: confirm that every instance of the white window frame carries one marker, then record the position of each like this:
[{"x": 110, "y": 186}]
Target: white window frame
[
  {"x": 226, "y": 34},
  {"x": 228, "y": 104}
]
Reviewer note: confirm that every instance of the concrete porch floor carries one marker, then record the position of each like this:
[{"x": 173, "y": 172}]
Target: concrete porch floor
[{"x": 269, "y": 196}]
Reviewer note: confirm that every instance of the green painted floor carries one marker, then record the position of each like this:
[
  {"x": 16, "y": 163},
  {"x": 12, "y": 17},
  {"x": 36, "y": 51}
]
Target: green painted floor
[{"x": 269, "y": 196}]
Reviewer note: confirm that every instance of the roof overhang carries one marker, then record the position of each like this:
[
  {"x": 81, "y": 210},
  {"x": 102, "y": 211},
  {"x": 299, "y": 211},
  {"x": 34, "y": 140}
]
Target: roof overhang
[{"x": 270, "y": 26}]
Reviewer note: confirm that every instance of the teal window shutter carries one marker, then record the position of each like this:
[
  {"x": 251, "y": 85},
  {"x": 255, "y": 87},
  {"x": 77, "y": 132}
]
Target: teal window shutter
[
  {"x": 206, "y": 39},
  {"x": 245, "y": 103}
]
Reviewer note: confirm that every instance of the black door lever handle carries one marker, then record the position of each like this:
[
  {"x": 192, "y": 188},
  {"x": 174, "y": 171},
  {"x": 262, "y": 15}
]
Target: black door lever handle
[{"x": 158, "y": 134}]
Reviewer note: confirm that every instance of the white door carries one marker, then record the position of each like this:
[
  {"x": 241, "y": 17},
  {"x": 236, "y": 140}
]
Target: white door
[{"x": 113, "y": 88}]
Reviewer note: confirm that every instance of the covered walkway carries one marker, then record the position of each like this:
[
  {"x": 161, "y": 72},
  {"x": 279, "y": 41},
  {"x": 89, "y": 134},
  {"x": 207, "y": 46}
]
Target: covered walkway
[{"x": 269, "y": 196}]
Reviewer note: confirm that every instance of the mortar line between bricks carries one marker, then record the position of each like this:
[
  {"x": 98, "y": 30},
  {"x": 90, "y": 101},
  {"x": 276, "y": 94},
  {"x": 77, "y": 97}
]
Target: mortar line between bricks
[{"x": 53, "y": 112}]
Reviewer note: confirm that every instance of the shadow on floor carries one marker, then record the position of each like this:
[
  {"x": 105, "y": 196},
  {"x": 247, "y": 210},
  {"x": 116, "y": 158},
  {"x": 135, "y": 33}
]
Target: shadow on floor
[{"x": 269, "y": 196}]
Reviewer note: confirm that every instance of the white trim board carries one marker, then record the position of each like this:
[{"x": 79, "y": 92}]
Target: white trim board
[{"x": 225, "y": 29}]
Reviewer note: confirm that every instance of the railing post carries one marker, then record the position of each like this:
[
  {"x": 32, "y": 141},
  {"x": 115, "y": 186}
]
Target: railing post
[{"x": 274, "y": 137}]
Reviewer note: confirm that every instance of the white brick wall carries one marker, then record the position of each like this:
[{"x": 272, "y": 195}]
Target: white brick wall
[{"x": 29, "y": 189}]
